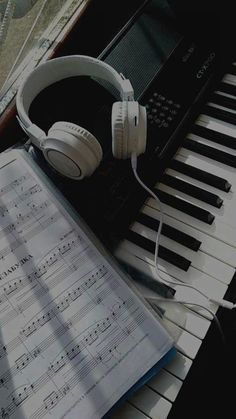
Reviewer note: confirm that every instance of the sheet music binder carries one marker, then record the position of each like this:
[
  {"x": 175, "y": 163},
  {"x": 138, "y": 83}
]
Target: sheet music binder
[{"x": 118, "y": 328}]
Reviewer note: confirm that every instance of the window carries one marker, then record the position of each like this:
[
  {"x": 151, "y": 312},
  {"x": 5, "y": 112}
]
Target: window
[{"x": 29, "y": 33}]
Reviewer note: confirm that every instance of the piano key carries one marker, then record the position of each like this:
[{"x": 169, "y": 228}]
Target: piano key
[
  {"x": 218, "y": 230},
  {"x": 210, "y": 152},
  {"x": 187, "y": 343},
  {"x": 225, "y": 215},
  {"x": 127, "y": 411},
  {"x": 207, "y": 164},
  {"x": 222, "y": 100},
  {"x": 126, "y": 253},
  {"x": 228, "y": 88},
  {"x": 216, "y": 146},
  {"x": 200, "y": 280},
  {"x": 188, "y": 319},
  {"x": 179, "y": 366},
  {"x": 214, "y": 136},
  {"x": 224, "y": 218},
  {"x": 170, "y": 232},
  {"x": 216, "y": 125},
  {"x": 220, "y": 114},
  {"x": 229, "y": 78},
  {"x": 165, "y": 384},
  {"x": 219, "y": 107},
  {"x": 163, "y": 253},
  {"x": 209, "y": 245},
  {"x": 192, "y": 190},
  {"x": 200, "y": 175},
  {"x": 184, "y": 206},
  {"x": 225, "y": 196},
  {"x": 232, "y": 69},
  {"x": 151, "y": 403},
  {"x": 199, "y": 260}
]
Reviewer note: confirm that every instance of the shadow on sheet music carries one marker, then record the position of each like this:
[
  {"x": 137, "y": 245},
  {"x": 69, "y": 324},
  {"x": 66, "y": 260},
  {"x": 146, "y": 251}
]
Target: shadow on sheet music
[
  {"x": 46, "y": 334},
  {"x": 26, "y": 375}
]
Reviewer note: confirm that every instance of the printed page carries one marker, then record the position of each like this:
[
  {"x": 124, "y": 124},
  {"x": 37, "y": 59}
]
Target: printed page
[{"x": 73, "y": 336}]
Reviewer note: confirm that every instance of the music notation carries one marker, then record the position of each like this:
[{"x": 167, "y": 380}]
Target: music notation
[{"x": 67, "y": 319}]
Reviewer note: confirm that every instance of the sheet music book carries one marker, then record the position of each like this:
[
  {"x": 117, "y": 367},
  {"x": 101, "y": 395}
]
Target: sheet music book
[{"x": 75, "y": 338}]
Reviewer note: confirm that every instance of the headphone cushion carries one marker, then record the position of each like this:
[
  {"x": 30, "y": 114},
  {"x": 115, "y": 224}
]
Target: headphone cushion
[
  {"x": 129, "y": 128},
  {"x": 76, "y": 144},
  {"x": 81, "y": 134}
]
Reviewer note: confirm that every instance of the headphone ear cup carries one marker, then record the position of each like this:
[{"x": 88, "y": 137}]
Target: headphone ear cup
[
  {"x": 72, "y": 150},
  {"x": 129, "y": 129}
]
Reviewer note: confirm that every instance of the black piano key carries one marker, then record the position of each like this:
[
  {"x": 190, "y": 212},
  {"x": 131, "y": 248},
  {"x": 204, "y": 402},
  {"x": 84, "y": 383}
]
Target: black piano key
[
  {"x": 210, "y": 152},
  {"x": 170, "y": 232},
  {"x": 201, "y": 175},
  {"x": 192, "y": 190},
  {"x": 147, "y": 280},
  {"x": 228, "y": 88},
  {"x": 220, "y": 114},
  {"x": 232, "y": 69},
  {"x": 226, "y": 101},
  {"x": 164, "y": 253},
  {"x": 186, "y": 207},
  {"x": 216, "y": 137}
]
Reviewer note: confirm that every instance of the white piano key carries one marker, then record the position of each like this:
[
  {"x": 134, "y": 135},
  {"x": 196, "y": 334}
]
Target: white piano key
[
  {"x": 215, "y": 105},
  {"x": 209, "y": 245},
  {"x": 187, "y": 343},
  {"x": 216, "y": 125},
  {"x": 127, "y": 411},
  {"x": 166, "y": 384},
  {"x": 219, "y": 92},
  {"x": 179, "y": 366},
  {"x": 194, "y": 323},
  {"x": 199, "y": 260},
  {"x": 229, "y": 78},
  {"x": 151, "y": 403}
]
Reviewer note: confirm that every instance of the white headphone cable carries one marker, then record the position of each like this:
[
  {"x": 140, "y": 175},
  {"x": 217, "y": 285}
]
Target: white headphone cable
[{"x": 220, "y": 302}]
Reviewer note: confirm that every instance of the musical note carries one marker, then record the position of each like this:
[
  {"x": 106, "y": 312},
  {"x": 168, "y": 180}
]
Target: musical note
[
  {"x": 56, "y": 366},
  {"x": 51, "y": 401},
  {"x": 20, "y": 397},
  {"x": 22, "y": 361}
]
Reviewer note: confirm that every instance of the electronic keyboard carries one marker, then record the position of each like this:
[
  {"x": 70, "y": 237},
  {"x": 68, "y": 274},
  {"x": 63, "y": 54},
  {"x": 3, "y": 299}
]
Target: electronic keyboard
[{"x": 190, "y": 97}]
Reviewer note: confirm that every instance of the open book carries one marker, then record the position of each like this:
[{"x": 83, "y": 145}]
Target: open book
[{"x": 75, "y": 338}]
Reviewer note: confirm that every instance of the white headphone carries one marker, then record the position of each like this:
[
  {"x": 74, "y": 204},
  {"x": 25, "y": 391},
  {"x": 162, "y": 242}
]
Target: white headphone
[{"x": 70, "y": 149}]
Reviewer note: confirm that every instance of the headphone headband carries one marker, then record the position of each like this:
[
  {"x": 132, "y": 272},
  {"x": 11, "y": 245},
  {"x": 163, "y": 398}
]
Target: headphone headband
[{"x": 60, "y": 68}]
